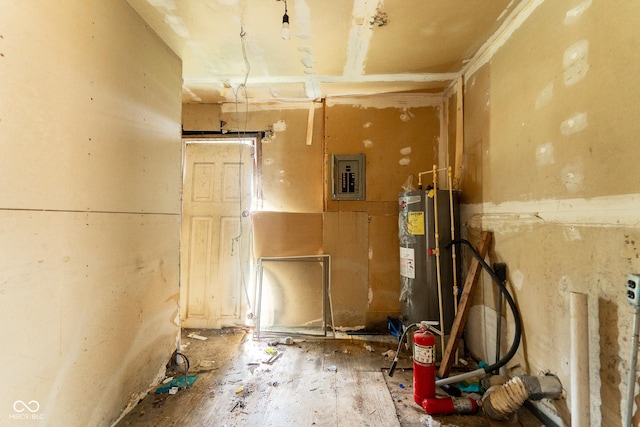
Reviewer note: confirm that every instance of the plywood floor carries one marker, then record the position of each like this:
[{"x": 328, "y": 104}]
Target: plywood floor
[{"x": 313, "y": 382}]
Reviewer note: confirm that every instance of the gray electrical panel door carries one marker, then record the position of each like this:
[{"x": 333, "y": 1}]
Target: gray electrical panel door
[
  {"x": 348, "y": 177},
  {"x": 418, "y": 275}
]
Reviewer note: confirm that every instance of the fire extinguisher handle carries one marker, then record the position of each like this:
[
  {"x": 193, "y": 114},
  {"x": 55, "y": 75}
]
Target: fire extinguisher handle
[{"x": 393, "y": 366}]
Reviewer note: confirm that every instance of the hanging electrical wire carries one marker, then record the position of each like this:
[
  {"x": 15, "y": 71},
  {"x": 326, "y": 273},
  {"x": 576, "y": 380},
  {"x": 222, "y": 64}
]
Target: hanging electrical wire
[{"x": 236, "y": 241}]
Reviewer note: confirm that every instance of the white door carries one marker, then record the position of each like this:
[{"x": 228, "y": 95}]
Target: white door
[{"x": 216, "y": 234}]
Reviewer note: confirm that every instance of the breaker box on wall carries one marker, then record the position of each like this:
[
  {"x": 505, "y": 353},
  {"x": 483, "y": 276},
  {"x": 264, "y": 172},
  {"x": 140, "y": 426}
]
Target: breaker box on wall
[{"x": 348, "y": 176}]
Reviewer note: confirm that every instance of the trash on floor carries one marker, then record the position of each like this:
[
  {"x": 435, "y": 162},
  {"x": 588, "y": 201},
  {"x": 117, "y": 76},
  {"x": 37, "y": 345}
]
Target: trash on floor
[
  {"x": 285, "y": 341},
  {"x": 195, "y": 336},
  {"x": 427, "y": 420},
  {"x": 273, "y": 358},
  {"x": 368, "y": 347},
  {"x": 177, "y": 382},
  {"x": 270, "y": 350},
  {"x": 390, "y": 354}
]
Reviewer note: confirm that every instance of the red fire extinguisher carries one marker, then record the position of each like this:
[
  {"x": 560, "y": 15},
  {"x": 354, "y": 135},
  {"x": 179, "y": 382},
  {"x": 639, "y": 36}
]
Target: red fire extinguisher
[
  {"x": 424, "y": 380},
  {"x": 449, "y": 405},
  {"x": 424, "y": 366}
]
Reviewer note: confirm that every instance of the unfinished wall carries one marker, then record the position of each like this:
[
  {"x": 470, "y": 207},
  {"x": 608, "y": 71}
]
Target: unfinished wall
[
  {"x": 89, "y": 217},
  {"x": 399, "y": 137},
  {"x": 291, "y": 163},
  {"x": 550, "y": 152}
]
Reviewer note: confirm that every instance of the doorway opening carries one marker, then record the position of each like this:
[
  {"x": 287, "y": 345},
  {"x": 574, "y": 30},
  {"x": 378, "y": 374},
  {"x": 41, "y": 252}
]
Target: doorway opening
[{"x": 218, "y": 195}]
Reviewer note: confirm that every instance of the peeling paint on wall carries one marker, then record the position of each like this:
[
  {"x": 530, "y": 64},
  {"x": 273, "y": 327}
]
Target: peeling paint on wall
[
  {"x": 367, "y": 143},
  {"x": 404, "y": 161}
]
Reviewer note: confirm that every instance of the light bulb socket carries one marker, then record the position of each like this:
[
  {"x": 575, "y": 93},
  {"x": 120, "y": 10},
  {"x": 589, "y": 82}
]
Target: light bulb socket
[{"x": 285, "y": 33}]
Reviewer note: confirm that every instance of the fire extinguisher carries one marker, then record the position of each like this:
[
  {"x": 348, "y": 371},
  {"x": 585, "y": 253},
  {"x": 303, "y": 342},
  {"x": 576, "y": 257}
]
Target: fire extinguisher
[
  {"x": 424, "y": 380},
  {"x": 424, "y": 366},
  {"x": 449, "y": 405}
]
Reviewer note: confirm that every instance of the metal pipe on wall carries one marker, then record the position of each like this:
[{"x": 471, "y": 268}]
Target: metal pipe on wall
[{"x": 579, "y": 319}]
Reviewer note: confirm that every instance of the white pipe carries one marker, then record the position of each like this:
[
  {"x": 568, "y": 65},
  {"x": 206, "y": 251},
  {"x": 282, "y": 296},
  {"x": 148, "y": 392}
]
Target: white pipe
[
  {"x": 461, "y": 377},
  {"x": 579, "y": 316},
  {"x": 631, "y": 382},
  {"x": 453, "y": 247}
]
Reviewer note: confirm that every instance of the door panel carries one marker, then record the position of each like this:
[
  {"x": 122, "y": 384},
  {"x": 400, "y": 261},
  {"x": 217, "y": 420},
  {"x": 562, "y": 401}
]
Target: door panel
[{"x": 215, "y": 235}]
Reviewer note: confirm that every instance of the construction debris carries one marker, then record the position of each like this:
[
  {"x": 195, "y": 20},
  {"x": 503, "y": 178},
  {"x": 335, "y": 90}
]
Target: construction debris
[{"x": 195, "y": 336}]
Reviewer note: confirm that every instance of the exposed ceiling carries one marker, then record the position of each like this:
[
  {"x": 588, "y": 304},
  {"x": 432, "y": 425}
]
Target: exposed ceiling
[{"x": 336, "y": 47}]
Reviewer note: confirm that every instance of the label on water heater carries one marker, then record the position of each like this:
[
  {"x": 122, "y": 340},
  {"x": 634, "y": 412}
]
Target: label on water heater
[{"x": 423, "y": 355}]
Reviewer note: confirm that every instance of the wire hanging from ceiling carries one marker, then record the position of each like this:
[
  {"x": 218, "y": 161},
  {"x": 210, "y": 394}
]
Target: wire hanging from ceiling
[{"x": 242, "y": 89}]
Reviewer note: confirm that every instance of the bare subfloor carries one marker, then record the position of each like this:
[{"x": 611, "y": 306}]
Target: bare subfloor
[{"x": 312, "y": 382}]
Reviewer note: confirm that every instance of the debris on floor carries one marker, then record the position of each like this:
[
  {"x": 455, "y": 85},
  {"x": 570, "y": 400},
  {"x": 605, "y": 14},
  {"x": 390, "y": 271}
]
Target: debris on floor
[
  {"x": 285, "y": 341},
  {"x": 389, "y": 354},
  {"x": 429, "y": 421},
  {"x": 177, "y": 382},
  {"x": 195, "y": 336},
  {"x": 275, "y": 356}
]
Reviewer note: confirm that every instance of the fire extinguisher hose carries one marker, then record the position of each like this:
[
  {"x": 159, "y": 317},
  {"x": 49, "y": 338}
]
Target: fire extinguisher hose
[
  {"x": 514, "y": 310},
  {"x": 395, "y": 359}
]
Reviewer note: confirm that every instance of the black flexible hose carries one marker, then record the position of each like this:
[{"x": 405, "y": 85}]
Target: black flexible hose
[
  {"x": 512, "y": 305},
  {"x": 395, "y": 359}
]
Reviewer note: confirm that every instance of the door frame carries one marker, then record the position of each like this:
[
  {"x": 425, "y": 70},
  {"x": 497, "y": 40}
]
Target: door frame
[{"x": 247, "y": 311}]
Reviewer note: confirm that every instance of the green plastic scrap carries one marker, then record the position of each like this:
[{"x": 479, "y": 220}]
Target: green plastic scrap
[
  {"x": 177, "y": 382},
  {"x": 469, "y": 387}
]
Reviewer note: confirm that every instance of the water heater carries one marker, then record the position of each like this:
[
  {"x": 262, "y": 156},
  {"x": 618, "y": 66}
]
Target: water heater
[{"x": 418, "y": 273}]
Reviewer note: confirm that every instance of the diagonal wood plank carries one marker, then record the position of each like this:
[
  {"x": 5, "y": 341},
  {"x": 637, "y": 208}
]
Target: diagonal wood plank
[{"x": 463, "y": 307}]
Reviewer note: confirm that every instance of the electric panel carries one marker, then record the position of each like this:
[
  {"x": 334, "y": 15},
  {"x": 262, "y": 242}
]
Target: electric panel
[{"x": 348, "y": 176}]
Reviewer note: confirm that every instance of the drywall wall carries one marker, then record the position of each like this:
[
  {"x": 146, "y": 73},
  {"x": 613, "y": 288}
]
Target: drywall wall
[
  {"x": 89, "y": 218},
  {"x": 550, "y": 149},
  {"x": 291, "y": 169},
  {"x": 399, "y": 136},
  {"x": 286, "y": 234}
]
